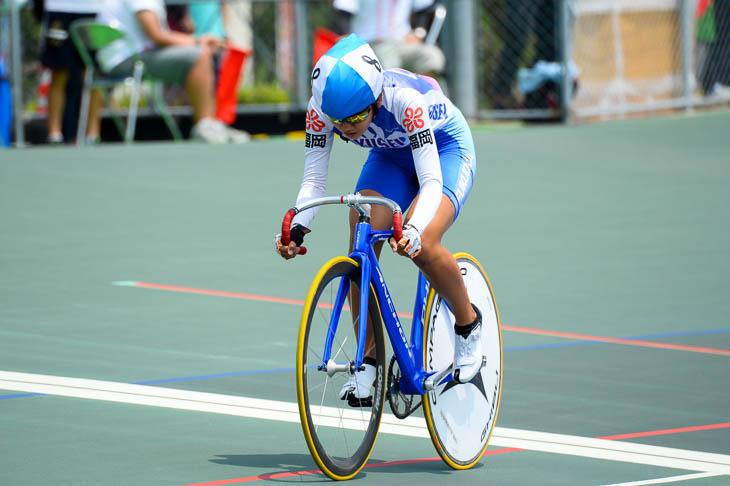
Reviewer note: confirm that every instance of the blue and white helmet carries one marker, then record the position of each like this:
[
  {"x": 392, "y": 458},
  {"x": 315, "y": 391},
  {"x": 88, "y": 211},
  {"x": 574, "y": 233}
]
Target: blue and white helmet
[{"x": 347, "y": 78}]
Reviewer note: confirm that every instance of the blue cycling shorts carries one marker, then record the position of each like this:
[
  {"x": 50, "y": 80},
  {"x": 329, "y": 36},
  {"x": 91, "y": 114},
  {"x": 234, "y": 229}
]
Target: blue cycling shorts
[{"x": 392, "y": 172}]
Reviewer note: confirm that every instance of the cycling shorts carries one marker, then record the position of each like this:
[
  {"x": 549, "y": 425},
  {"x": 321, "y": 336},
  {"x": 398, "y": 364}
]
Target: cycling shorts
[{"x": 392, "y": 172}]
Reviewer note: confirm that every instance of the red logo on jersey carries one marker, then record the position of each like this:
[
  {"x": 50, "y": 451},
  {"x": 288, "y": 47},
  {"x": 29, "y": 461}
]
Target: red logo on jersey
[
  {"x": 413, "y": 120},
  {"x": 313, "y": 121}
]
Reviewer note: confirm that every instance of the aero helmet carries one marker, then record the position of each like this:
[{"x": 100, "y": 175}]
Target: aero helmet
[{"x": 347, "y": 78}]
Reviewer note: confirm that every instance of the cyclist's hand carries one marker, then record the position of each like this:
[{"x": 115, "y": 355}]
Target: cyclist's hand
[
  {"x": 293, "y": 248},
  {"x": 409, "y": 245},
  {"x": 289, "y": 251}
]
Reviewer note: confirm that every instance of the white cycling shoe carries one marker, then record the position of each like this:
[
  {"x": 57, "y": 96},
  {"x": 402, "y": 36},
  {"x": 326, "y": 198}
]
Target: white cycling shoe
[
  {"x": 357, "y": 389},
  {"x": 468, "y": 353}
]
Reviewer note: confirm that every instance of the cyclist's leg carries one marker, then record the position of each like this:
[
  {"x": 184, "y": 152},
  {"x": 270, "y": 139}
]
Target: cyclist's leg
[{"x": 439, "y": 265}]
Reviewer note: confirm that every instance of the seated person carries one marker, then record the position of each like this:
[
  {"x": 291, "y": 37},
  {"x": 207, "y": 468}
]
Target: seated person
[
  {"x": 395, "y": 30},
  {"x": 170, "y": 56}
]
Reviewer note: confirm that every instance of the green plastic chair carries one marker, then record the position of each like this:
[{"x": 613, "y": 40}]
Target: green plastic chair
[{"x": 89, "y": 36}]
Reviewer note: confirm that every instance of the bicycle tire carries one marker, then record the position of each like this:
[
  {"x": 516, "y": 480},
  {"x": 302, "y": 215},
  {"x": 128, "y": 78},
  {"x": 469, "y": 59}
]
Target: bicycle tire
[
  {"x": 461, "y": 418},
  {"x": 340, "y": 438}
]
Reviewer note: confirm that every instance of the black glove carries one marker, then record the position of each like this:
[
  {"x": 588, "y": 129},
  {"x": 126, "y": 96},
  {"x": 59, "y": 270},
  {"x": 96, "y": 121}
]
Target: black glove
[{"x": 297, "y": 233}]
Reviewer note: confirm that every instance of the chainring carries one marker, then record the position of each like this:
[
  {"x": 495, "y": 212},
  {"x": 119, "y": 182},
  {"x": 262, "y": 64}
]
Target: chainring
[{"x": 400, "y": 404}]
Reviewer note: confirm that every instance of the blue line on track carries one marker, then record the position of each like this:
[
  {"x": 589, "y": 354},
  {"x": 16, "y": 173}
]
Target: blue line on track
[{"x": 511, "y": 348}]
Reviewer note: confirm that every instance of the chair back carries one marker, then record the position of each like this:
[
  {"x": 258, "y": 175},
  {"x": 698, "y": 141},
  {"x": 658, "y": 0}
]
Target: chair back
[{"x": 90, "y": 35}]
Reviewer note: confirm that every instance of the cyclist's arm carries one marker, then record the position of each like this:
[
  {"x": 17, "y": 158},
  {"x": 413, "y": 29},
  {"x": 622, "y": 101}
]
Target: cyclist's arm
[
  {"x": 318, "y": 145},
  {"x": 414, "y": 118}
]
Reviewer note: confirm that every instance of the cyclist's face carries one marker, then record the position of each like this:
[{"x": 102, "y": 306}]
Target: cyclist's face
[{"x": 354, "y": 126}]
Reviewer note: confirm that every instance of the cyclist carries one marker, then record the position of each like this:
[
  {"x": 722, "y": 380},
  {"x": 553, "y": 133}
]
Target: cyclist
[{"x": 421, "y": 156}]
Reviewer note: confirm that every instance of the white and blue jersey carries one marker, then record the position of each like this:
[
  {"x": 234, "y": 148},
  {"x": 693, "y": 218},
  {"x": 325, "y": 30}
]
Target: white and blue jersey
[{"x": 419, "y": 143}]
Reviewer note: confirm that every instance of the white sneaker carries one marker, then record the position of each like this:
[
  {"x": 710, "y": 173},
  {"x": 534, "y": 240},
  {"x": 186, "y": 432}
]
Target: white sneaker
[
  {"x": 468, "y": 352},
  {"x": 236, "y": 136},
  {"x": 210, "y": 130},
  {"x": 357, "y": 389}
]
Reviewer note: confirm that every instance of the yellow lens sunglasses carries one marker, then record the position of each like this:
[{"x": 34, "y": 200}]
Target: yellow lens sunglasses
[{"x": 356, "y": 118}]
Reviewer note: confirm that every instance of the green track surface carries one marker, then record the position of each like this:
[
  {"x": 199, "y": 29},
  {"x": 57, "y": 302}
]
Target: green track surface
[{"x": 612, "y": 229}]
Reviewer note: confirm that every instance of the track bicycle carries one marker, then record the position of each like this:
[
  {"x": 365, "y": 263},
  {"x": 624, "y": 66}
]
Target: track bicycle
[{"x": 332, "y": 344}]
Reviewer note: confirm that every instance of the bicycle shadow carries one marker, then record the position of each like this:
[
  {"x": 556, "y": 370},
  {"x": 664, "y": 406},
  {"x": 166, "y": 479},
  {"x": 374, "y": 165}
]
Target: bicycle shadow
[{"x": 302, "y": 466}]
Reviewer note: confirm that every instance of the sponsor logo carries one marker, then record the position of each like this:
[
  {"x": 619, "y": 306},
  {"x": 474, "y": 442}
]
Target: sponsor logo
[
  {"x": 381, "y": 142},
  {"x": 463, "y": 183},
  {"x": 378, "y": 389},
  {"x": 372, "y": 62},
  {"x": 437, "y": 111},
  {"x": 313, "y": 122},
  {"x": 394, "y": 314},
  {"x": 413, "y": 119},
  {"x": 420, "y": 139},
  {"x": 315, "y": 140}
]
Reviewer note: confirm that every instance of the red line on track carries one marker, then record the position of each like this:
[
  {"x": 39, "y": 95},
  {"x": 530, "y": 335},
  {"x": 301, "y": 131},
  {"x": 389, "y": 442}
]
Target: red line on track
[
  {"x": 667, "y": 431},
  {"x": 435, "y": 459},
  {"x": 317, "y": 471},
  {"x": 629, "y": 342},
  {"x": 543, "y": 332},
  {"x": 218, "y": 293}
]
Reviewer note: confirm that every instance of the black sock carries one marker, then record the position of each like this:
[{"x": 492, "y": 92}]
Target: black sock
[
  {"x": 464, "y": 331},
  {"x": 370, "y": 361}
]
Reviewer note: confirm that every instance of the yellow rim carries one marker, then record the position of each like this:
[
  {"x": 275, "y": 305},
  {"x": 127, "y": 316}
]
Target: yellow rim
[
  {"x": 424, "y": 399},
  {"x": 300, "y": 372}
]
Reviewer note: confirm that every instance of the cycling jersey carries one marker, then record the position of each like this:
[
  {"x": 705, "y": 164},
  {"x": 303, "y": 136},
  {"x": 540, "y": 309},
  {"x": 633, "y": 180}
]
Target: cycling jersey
[{"x": 415, "y": 115}]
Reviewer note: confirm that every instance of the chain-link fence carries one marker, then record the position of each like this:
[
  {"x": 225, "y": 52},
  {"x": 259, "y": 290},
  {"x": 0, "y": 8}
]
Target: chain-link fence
[
  {"x": 647, "y": 55},
  {"x": 519, "y": 57},
  {"x": 622, "y": 56}
]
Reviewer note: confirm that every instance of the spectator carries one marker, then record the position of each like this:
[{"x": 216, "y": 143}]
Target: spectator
[
  {"x": 714, "y": 32},
  {"x": 171, "y": 56},
  {"x": 210, "y": 18},
  {"x": 386, "y": 26},
  {"x": 60, "y": 56},
  {"x": 521, "y": 18}
]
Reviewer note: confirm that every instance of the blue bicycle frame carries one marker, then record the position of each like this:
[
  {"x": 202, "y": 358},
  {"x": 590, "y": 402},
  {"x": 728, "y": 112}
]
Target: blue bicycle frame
[{"x": 408, "y": 354}]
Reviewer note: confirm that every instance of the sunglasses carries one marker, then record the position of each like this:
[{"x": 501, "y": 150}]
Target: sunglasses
[{"x": 356, "y": 118}]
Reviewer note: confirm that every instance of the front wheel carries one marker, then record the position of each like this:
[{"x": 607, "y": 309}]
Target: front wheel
[
  {"x": 340, "y": 437},
  {"x": 461, "y": 417}
]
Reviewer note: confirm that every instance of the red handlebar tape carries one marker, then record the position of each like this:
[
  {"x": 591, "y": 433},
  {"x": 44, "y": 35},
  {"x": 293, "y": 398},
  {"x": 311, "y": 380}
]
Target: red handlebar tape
[
  {"x": 397, "y": 226},
  {"x": 286, "y": 230}
]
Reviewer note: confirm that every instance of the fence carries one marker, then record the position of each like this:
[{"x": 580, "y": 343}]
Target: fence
[
  {"x": 505, "y": 58},
  {"x": 625, "y": 56}
]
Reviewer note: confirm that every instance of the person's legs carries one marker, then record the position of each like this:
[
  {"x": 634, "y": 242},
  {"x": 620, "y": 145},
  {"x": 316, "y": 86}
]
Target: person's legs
[
  {"x": 200, "y": 83},
  {"x": 56, "y": 103},
  {"x": 189, "y": 66},
  {"x": 93, "y": 130}
]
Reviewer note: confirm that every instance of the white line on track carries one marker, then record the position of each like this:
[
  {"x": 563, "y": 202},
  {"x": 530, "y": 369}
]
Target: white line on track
[
  {"x": 717, "y": 464},
  {"x": 673, "y": 479}
]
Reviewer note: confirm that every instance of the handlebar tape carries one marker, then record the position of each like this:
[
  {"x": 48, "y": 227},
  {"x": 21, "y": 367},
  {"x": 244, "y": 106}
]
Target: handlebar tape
[
  {"x": 397, "y": 226},
  {"x": 286, "y": 230}
]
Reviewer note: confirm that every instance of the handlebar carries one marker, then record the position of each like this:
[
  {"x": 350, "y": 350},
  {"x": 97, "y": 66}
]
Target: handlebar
[{"x": 356, "y": 201}]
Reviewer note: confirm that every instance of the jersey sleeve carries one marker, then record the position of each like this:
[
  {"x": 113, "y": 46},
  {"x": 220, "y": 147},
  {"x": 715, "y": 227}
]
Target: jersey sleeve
[
  {"x": 413, "y": 116},
  {"x": 318, "y": 145}
]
